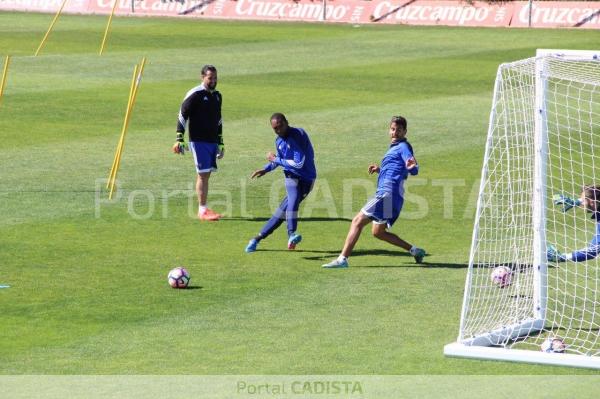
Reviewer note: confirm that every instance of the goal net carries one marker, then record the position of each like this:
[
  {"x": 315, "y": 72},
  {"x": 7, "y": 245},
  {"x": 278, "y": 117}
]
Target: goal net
[{"x": 526, "y": 288}]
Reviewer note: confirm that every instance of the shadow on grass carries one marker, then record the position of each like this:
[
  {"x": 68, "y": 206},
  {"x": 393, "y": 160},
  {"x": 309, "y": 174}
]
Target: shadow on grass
[
  {"x": 387, "y": 252},
  {"x": 248, "y": 219},
  {"x": 359, "y": 252},
  {"x": 328, "y": 253},
  {"x": 324, "y": 219},
  {"x": 300, "y": 220},
  {"x": 421, "y": 265},
  {"x": 194, "y": 287}
]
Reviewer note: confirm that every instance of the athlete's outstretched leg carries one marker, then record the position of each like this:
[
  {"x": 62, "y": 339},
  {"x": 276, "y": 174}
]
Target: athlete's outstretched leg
[
  {"x": 272, "y": 224},
  {"x": 275, "y": 221},
  {"x": 296, "y": 190},
  {"x": 379, "y": 230}
]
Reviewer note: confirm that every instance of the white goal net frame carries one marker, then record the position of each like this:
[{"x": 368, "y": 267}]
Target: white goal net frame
[{"x": 543, "y": 141}]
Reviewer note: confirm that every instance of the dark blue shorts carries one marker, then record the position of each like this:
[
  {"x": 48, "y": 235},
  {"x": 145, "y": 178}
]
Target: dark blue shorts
[
  {"x": 384, "y": 208},
  {"x": 205, "y": 156}
]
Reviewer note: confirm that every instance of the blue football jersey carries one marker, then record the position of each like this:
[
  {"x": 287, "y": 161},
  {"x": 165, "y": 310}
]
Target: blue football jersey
[
  {"x": 395, "y": 166},
  {"x": 295, "y": 155}
]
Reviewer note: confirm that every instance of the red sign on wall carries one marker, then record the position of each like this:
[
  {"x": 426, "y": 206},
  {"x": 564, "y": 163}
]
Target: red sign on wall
[
  {"x": 547, "y": 14},
  {"x": 556, "y": 14},
  {"x": 451, "y": 13}
]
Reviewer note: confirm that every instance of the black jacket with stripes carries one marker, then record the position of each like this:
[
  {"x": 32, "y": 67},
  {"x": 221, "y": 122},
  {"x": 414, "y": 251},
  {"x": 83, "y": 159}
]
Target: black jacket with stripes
[{"x": 202, "y": 110}]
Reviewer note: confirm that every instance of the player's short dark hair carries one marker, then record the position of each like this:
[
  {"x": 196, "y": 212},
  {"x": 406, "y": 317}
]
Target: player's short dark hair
[
  {"x": 592, "y": 192},
  {"x": 207, "y": 68},
  {"x": 400, "y": 121},
  {"x": 278, "y": 116}
]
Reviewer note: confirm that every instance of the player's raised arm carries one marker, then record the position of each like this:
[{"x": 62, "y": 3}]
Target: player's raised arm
[
  {"x": 580, "y": 255},
  {"x": 565, "y": 202},
  {"x": 298, "y": 157},
  {"x": 409, "y": 159}
]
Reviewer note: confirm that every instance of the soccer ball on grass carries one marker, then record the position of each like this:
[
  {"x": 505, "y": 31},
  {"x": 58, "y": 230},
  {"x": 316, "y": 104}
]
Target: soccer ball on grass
[
  {"x": 179, "y": 278},
  {"x": 501, "y": 276},
  {"x": 553, "y": 345}
]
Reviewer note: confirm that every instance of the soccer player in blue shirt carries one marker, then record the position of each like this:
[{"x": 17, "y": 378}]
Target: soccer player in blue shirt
[
  {"x": 590, "y": 201},
  {"x": 384, "y": 208},
  {"x": 296, "y": 156}
]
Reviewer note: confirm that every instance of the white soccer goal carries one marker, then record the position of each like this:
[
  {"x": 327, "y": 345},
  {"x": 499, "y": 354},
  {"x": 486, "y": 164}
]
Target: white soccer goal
[{"x": 543, "y": 140}]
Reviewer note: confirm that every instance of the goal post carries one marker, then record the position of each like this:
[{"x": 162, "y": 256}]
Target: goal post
[{"x": 543, "y": 140}]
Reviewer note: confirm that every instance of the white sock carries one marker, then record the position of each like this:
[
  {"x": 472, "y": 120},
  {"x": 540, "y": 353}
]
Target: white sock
[
  {"x": 342, "y": 258},
  {"x": 413, "y": 250},
  {"x": 202, "y": 209}
]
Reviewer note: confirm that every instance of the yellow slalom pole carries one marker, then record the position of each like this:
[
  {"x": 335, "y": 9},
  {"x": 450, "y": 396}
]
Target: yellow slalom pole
[
  {"x": 4, "y": 75},
  {"x": 133, "y": 97},
  {"x": 138, "y": 81},
  {"x": 112, "y": 12},
  {"x": 120, "y": 142},
  {"x": 138, "y": 74},
  {"x": 114, "y": 166},
  {"x": 50, "y": 28}
]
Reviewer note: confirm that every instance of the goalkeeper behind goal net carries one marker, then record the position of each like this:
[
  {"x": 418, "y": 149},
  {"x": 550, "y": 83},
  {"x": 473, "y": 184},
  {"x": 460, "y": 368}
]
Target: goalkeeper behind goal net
[{"x": 532, "y": 291}]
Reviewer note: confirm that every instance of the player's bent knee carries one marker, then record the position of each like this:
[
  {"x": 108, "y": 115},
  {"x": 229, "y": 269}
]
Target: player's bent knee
[
  {"x": 357, "y": 220},
  {"x": 379, "y": 235},
  {"x": 379, "y": 231}
]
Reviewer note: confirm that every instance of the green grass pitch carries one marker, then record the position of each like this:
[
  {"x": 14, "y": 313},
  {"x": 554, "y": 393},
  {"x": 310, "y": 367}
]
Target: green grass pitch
[{"x": 88, "y": 278}]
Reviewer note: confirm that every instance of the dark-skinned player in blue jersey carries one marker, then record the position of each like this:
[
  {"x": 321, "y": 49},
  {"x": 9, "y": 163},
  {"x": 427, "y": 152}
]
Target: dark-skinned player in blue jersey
[{"x": 295, "y": 155}]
